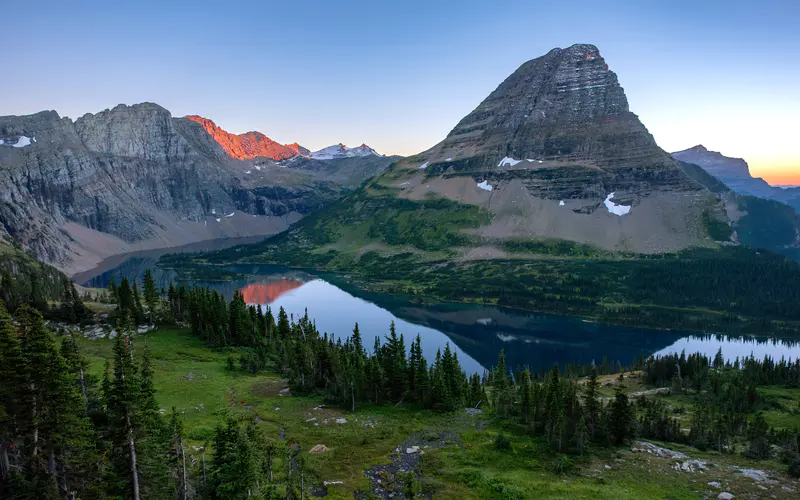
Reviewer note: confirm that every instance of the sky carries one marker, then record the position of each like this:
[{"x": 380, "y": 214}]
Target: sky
[{"x": 399, "y": 75}]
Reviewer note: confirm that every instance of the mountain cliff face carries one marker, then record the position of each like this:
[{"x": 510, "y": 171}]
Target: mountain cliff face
[
  {"x": 248, "y": 145},
  {"x": 553, "y": 154},
  {"x": 134, "y": 177},
  {"x": 735, "y": 173}
]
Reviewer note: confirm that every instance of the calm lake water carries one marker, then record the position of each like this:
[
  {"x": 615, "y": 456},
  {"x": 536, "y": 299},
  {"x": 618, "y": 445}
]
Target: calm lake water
[{"x": 477, "y": 333}]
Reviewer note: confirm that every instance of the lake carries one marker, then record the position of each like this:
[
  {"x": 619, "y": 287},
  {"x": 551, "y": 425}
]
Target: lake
[{"x": 476, "y": 333}]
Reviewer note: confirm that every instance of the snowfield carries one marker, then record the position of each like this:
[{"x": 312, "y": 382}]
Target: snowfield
[
  {"x": 614, "y": 208},
  {"x": 485, "y": 186},
  {"x": 21, "y": 142},
  {"x": 508, "y": 161}
]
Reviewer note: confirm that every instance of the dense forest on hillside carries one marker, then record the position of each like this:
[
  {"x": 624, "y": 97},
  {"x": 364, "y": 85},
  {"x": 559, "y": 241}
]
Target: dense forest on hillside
[
  {"x": 23, "y": 279},
  {"x": 65, "y": 434},
  {"x": 732, "y": 289}
]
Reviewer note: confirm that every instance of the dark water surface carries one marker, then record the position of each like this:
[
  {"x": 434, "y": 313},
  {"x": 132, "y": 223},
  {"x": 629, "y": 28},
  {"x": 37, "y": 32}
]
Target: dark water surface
[{"x": 477, "y": 333}]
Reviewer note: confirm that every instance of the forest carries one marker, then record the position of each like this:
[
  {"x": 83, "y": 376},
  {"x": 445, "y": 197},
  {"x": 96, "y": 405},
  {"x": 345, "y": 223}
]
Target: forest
[{"x": 66, "y": 434}]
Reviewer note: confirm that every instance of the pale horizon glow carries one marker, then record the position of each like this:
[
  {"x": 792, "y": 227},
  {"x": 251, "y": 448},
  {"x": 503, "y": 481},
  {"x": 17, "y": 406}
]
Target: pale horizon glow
[{"x": 399, "y": 76}]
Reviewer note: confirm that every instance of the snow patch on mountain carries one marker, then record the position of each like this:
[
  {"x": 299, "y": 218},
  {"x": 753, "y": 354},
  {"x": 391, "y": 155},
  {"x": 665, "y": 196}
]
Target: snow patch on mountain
[
  {"x": 614, "y": 208},
  {"x": 21, "y": 142},
  {"x": 508, "y": 161},
  {"x": 484, "y": 185},
  {"x": 342, "y": 151}
]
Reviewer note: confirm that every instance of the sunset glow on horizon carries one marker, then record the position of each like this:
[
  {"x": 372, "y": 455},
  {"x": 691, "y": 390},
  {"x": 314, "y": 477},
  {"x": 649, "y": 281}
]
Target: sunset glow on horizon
[{"x": 399, "y": 77}]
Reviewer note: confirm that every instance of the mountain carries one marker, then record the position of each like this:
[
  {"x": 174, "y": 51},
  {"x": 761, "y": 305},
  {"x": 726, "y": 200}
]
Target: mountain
[
  {"x": 135, "y": 177},
  {"x": 756, "y": 222},
  {"x": 735, "y": 173},
  {"x": 342, "y": 151},
  {"x": 248, "y": 145},
  {"x": 553, "y": 154}
]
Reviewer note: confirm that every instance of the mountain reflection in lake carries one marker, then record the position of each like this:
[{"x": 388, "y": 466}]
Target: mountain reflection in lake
[{"x": 476, "y": 333}]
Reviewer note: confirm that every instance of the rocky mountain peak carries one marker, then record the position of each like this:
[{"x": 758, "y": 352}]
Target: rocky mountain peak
[
  {"x": 715, "y": 163},
  {"x": 554, "y": 151},
  {"x": 560, "y": 105},
  {"x": 342, "y": 151},
  {"x": 248, "y": 145}
]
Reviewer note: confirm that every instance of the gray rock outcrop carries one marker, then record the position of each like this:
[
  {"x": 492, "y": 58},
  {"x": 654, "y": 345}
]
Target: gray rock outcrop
[{"x": 134, "y": 177}]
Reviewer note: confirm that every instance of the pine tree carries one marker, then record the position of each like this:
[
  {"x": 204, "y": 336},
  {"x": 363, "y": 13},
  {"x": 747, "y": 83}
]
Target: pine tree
[
  {"x": 11, "y": 408},
  {"x": 621, "y": 418},
  {"x": 58, "y": 450},
  {"x": 757, "y": 442},
  {"x": 37, "y": 298},
  {"x": 179, "y": 454},
  {"x": 591, "y": 404},
  {"x": 150, "y": 294},
  {"x": 76, "y": 364},
  {"x": 581, "y": 436},
  {"x": 123, "y": 415}
]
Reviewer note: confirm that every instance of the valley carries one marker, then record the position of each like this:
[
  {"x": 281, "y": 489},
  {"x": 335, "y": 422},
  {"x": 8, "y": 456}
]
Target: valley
[{"x": 544, "y": 304}]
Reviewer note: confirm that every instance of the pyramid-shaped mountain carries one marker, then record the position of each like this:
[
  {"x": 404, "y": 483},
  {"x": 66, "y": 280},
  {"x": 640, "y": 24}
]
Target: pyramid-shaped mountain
[{"x": 553, "y": 154}]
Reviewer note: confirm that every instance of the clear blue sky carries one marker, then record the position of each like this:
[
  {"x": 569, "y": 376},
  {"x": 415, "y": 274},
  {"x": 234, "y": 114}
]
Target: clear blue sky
[{"x": 399, "y": 75}]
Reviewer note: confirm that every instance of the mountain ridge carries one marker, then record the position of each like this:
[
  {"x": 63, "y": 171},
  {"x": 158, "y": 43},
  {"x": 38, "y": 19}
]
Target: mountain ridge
[
  {"x": 735, "y": 173},
  {"x": 554, "y": 153},
  {"x": 135, "y": 177}
]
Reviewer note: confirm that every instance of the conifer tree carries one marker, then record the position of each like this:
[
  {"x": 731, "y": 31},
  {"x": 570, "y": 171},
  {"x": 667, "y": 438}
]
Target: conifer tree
[
  {"x": 150, "y": 294},
  {"x": 621, "y": 418},
  {"x": 591, "y": 404}
]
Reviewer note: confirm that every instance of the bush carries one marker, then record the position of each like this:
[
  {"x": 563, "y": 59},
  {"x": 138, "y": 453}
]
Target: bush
[
  {"x": 794, "y": 468},
  {"x": 502, "y": 442},
  {"x": 562, "y": 464}
]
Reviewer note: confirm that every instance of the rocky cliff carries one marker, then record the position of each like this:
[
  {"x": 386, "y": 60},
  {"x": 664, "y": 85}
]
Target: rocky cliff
[
  {"x": 248, "y": 145},
  {"x": 135, "y": 177},
  {"x": 735, "y": 173},
  {"x": 553, "y": 154}
]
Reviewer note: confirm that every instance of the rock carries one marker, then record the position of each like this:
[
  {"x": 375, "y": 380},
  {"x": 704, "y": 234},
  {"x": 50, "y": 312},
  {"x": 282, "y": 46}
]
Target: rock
[
  {"x": 691, "y": 466},
  {"x": 558, "y": 128},
  {"x": 341, "y": 420},
  {"x": 141, "y": 176},
  {"x": 725, "y": 496},
  {"x": 413, "y": 450},
  {"x": 644, "y": 446},
  {"x": 715, "y": 484},
  {"x": 759, "y": 476},
  {"x": 473, "y": 411},
  {"x": 245, "y": 146},
  {"x": 319, "y": 448}
]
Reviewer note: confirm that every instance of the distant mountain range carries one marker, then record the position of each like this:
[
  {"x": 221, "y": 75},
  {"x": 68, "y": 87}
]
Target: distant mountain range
[
  {"x": 551, "y": 159},
  {"x": 735, "y": 173},
  {"x": 253, "y": 145},
  {"x": 342, "y": 151},
  {"x": 135, "y": 177}
]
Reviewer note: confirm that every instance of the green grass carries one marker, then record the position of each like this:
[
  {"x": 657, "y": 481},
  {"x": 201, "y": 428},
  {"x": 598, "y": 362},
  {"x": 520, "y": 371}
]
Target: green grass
[
  {"x": 782, "y": 406},
  {"x": 188, "y": 374},
  {"x": 527, "y": 472}
]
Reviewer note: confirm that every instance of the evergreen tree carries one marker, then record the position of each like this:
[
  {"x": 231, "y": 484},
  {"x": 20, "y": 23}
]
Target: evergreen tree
[
  {"x": 621, "y": 418},
  {"x": 150, "y": 294}
]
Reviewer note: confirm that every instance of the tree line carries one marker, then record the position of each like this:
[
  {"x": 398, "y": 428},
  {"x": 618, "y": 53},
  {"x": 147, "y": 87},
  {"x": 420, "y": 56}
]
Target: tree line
[{"x": 66, "y": 434}]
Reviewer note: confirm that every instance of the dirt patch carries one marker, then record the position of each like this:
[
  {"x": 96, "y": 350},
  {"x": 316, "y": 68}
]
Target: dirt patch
[{"x": 271, "y": 388}]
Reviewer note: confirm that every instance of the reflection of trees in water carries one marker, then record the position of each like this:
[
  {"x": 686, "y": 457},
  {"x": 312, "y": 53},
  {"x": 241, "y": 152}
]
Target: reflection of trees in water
[
  {"x": 529, "y": 339},
  {"x": 262, "y": 285},
  {"x": 534, "y": 340}
]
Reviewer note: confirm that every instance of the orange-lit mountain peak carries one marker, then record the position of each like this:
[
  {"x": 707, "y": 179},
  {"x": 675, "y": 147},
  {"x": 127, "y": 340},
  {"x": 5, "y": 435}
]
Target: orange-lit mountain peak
[
  {"x": 248, "y": 145},
  {"x": 266, "y": 293}
]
